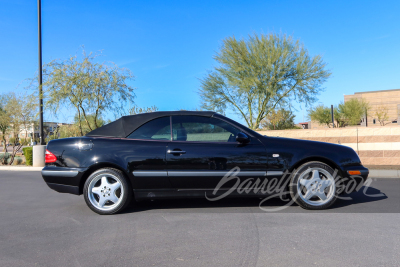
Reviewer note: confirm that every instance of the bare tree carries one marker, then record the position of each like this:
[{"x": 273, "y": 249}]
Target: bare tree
[
  {"x": 381, "y": 113},
  {"x": 28, "y": 112}
]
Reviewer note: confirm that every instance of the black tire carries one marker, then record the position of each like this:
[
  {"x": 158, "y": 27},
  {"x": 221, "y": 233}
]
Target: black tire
[
  {"x": 293, "y": 186},
  {"x": 123, "y": 201}
]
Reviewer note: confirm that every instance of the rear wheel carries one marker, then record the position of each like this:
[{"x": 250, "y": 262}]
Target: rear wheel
[
  {"x": 107, "y": 191},
  {"x": 313, "y": 186}
]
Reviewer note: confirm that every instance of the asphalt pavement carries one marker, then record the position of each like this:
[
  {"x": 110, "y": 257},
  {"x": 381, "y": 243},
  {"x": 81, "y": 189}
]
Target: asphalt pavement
[{"x": 40, "y": 227}]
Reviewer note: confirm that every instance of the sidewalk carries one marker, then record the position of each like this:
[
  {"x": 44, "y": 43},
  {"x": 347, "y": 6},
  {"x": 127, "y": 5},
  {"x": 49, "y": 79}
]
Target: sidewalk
[
  {"x": 372, "y": 173},
  {"x": 20, "y": 168}
]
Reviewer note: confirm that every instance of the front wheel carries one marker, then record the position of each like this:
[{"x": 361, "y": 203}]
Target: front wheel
[
  {"x": 107, "y": 191},
  {"x": 313, "y": 186}
]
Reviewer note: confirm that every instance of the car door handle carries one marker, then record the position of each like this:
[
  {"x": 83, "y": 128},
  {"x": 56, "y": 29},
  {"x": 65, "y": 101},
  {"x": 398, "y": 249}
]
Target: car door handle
[{"x": 176, "y": 152}]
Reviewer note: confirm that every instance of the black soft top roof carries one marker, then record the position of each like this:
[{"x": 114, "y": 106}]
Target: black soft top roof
[{"x": 127, "y": 124}]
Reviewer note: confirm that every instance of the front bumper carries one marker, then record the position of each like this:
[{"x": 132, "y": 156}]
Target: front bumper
[
  {"x": 351, "y": 183},
  {"x": 63, "y": 180}
]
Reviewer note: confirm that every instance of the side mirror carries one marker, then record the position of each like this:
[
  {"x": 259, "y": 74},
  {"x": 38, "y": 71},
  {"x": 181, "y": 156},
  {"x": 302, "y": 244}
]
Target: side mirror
[{"x": 242, "y": 138}]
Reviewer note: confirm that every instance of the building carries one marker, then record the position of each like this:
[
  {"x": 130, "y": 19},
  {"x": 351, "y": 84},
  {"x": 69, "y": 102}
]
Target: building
[
  {"x": 304, "y": 125},
  {"x": 31, "y": 132},
  {"x": 387, "y": 98}
]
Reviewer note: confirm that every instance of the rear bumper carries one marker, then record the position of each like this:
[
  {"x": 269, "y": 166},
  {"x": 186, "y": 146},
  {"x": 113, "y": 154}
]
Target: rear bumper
[
  {"x": 63, "y": 180},
  {"x": 61, "y": 188}
]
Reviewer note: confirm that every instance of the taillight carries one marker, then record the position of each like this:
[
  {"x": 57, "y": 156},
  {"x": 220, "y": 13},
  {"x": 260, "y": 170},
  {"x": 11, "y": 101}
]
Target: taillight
[{"x": 49, "y": 157}]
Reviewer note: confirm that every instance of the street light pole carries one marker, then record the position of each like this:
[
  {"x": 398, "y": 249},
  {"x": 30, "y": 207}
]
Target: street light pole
[{"x": 40, "y": 72}]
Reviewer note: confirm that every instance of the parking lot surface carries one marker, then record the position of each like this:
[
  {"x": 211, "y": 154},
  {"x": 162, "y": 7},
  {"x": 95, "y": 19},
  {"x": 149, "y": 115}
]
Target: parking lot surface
[{"x": 41, "y": 227}]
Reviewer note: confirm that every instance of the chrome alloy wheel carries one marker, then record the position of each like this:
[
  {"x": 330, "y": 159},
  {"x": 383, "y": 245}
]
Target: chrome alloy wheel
[
  {"x": 316, "y": 186},
  {"x": 105, "y": 192}
]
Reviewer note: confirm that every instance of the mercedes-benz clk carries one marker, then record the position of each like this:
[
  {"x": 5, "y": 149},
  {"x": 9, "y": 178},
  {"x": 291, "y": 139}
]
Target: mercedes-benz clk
[{"x": 195, "y": 154}]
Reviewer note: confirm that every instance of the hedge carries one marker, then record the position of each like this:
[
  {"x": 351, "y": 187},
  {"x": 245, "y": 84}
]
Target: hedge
[{"x": 28, "y": 151}]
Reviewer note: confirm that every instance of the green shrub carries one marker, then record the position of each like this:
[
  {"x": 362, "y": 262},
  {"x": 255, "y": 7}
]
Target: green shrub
[
  {"x": 17, "y": 160},
  {"x": 28, "y": 151},
  {"x": 4, "y": 157}
]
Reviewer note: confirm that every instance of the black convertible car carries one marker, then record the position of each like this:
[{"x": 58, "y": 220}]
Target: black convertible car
[{"x": 182, "y": 154}]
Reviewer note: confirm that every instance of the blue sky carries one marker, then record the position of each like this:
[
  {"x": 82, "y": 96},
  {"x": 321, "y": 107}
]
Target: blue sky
[{"x": 169, "y": 45}]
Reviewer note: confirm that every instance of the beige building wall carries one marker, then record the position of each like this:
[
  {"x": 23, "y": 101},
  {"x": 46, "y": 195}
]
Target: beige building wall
[
  {"x": 317, "y": 126},
  {"x": 388, "y": 98},
  {"x": 374, "y": 145}
]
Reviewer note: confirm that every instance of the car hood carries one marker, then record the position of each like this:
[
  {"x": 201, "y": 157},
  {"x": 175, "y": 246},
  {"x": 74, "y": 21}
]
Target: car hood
[
  {"x": 301, "y": 149},
  {"x": 294, "y": 141}
]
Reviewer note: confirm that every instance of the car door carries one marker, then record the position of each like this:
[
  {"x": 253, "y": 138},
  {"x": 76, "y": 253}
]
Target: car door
[
  {"x": 204, "y": 149},
  {"x": 144, "y": 151}
]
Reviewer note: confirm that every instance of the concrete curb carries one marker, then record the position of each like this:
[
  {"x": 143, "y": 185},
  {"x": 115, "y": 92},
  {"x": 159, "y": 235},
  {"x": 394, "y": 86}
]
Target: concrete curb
[
  {"x": 384, "y": 174},
  {"x": 20, "y": 168}
]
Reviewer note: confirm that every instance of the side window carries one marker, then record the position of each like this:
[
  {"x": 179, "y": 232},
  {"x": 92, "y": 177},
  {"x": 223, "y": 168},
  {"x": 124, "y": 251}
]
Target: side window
[
  {"x": 157, "y": 129},
  {"x": 202, "y": 129}
]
